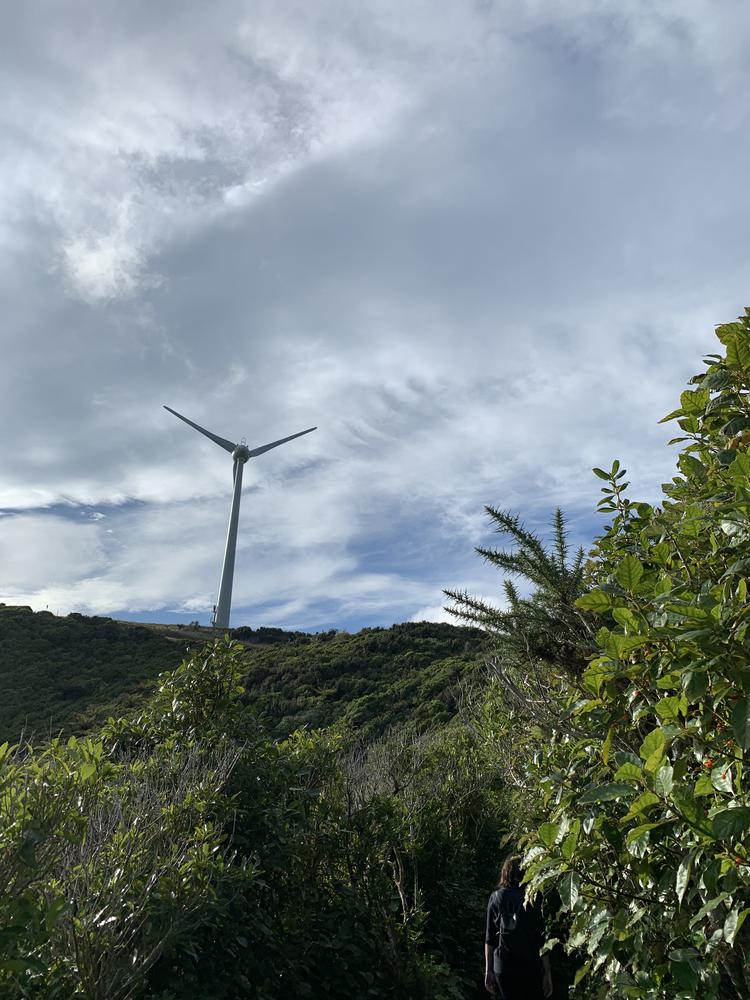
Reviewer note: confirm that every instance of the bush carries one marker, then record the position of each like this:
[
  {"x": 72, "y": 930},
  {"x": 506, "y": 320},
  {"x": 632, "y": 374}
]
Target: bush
[{"x": 643, "y": 782}]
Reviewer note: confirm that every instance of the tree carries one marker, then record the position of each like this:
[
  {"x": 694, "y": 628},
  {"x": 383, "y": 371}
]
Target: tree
[{"x": 546, "y": 626}]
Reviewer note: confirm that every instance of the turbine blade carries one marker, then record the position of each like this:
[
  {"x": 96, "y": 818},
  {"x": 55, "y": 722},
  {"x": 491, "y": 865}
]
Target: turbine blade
[
  {"x": 275, "y": 444},
  {"x": 222, "y": 442}
]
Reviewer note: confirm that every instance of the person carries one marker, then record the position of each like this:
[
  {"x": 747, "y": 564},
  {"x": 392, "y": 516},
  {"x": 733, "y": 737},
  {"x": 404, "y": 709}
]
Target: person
[{"x": 514, "y": 969}]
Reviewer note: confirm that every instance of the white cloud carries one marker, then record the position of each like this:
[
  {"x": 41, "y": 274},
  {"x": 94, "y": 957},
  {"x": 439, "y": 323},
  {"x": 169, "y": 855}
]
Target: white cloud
[
  {"x": 38, "y": 551},
  {"x": 433, "y": 613},
  {"x": 482, "y": 251}
]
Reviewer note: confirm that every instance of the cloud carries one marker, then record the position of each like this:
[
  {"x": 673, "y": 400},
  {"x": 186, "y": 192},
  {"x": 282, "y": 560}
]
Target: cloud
[{"x": 481, "y": 251}]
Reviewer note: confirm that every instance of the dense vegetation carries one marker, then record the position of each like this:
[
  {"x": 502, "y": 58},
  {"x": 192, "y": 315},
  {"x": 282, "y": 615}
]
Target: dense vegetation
[
  {"x": 67, "y": 675},
  {"x": 201, "y": 849},
  {"x": 184, "y": 854},
  {"x": 414, "y": 675}
]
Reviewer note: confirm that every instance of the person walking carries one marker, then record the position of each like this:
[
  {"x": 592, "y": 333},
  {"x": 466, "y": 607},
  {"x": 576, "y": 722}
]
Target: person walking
[{"x": 513, "y": 968}]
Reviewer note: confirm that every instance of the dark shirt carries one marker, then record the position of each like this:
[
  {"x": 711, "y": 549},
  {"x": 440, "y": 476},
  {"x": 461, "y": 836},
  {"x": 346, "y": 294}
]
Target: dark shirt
[{"x": 519, "y": 947}]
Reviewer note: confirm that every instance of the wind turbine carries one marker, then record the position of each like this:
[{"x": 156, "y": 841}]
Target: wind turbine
[{"x": 240, "y": 454}]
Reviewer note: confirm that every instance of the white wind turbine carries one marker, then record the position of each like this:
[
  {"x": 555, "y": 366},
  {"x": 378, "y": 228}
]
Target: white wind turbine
[{"x": 240, "y": 453}]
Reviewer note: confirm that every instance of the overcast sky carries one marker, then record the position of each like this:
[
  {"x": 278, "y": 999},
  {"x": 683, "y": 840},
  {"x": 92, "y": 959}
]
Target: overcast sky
[{"x": 482, "y": 245}]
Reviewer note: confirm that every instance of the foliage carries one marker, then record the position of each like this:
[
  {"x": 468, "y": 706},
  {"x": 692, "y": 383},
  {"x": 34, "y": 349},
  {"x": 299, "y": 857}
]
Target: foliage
[
  {"x": 183, "y": 853},
  {"x": 547, "y": 626},
  {"x": 643, "y": 782},
  {"x": 411, "y": 674},
  {"x": 110, "y": 848},
  {"x": 68, "y": 674}
]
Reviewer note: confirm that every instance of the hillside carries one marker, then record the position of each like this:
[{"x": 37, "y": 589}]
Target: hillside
[
  {"x": 68, "y": 674},
  {"x": 63, "y": 673},
  {"x": 379, "y": 677}
]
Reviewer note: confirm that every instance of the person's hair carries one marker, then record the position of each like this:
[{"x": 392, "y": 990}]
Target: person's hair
[{"x": 511, "y": 873}]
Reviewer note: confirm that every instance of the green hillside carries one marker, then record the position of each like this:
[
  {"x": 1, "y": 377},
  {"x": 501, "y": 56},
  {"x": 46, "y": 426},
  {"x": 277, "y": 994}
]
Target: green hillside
[
  {"x": 412, "y": 673},
  {"x": 68, "y": 674},
  {"x": 65, "y": 673}
]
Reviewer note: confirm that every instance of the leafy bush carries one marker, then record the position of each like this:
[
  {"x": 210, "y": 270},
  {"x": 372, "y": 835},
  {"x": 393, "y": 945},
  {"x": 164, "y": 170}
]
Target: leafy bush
[
  {"x": 183, "y": 853},
  {"x": 643, "y": 784}
]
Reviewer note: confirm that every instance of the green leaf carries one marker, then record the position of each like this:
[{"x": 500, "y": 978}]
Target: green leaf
[
  {"x": 708, "y": 907},
  {"x": 660, "y": 553},
  {"x": 739, "y": 470},
  {"x": 703, "y": 785},
  {"x": 628, "y": 771},
  {"x": 694, "y": 402},
  {"x": 692, "y": 811},
  {"x": 663, "y": 781},
  {"x": 738, "y": 351},
  {"x": 569, "y": 890},
  {"x": 597, "y": 601},
  {"x": 695, "y": 684},
  {"x": 735, "y": 920},
  {"x": 721, "y": 778},
  {"x": 656, "y": 740},
  {"x": 594, "y": 675},
  {"x": 601, "y": 473},
  {"x": 619, "y": 646},
  {"x": 735, "y": 426},
  {"x": 728, "y": 332},
  {"x": 87, "y": 770},
  {"x": 637, "y": 839},
  {"x": 671, "y": 416},
  {"x": 730, "y": 823},
  {"x": 683, "y": 955},
  {"x": 684, "y": 871},
  {"x": 581, "y": 972},
  {"x": 741, "y": 723},
  {"x": 692, "y": 467},
  {"x": 668, "y": 708},
  {"x": 568, "y": 846},
  {"x": 644, "y": 801},
  {"x": 606, "y": 792},
  {"x": 626, "y": 618},
  {"x": 629, "y": 572},
  {"x": 548, "y": 833}
]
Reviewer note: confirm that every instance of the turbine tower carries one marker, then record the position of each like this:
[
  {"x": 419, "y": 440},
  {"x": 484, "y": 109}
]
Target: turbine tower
[{"x": 240, "y": 454}]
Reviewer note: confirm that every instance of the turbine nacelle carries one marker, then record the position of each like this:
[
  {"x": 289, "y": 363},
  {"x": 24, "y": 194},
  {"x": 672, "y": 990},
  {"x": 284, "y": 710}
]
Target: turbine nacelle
[{"x": 241, "y": 453}]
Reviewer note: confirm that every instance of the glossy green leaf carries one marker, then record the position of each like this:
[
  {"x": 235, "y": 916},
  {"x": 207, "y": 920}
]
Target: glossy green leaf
[
  {"x": 569, "y": 890},
  {"x": 741, "y": 723},
  {"x": 606, "y": 792},
  {"x": 695, "y": 684},
  {"x": 721, "y": 778},
  {"x": 628, "y": 772},
  {"x": 734, "y": 921},
  {"x": 644, "y": 801},
  {"x": 684, "y": 872},
  {"x": 691, "y": 810},
  {"x": 731, "y": 823},
  {"x": 663, "y": 781}
]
